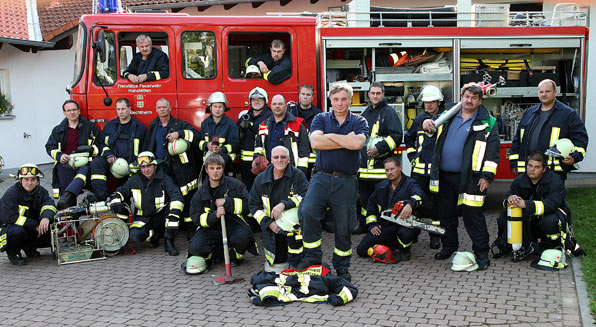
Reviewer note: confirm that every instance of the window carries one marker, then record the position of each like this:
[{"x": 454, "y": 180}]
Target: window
[
  {"x": 198, "y": 55},
  {"x": 245, "y": 45},
  {"x": 79, "y": 55},
  {"x": 105, "y": 72},
  {"x": 127, "y": 45}
]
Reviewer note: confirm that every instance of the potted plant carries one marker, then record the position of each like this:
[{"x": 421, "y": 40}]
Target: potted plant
[{"x": 5, "y": 105}]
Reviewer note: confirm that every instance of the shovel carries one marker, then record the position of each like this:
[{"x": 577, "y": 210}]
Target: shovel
[{"x": 227, "y": 278}]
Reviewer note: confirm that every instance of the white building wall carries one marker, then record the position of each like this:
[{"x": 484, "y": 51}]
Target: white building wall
[{"x": 37, "y": 88}]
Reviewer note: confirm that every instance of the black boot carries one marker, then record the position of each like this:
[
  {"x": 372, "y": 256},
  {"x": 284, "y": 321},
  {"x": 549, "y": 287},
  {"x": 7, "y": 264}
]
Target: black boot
[
  {"x": 17, "y": 259},
  {"x": 483, "y": 262},
  {"x": 435, "y": 241},
  {"x": 32, "y": 253},
  {"x": 170, "y": 247},
  {"x": 67, "y": 199},
  {"x": 405, "y": 254}
]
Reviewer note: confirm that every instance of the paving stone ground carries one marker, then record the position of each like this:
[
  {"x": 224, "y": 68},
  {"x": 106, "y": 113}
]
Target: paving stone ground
[{"x": 149, "y": 289}]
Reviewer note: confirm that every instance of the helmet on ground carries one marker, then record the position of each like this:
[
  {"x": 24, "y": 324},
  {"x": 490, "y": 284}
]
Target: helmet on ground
[
  {"x": 288, "y": 220},
  {"x": 195, "y": 265},
  {"x": 120, "y": 168},
  {"x": 381, "y": 253},
  {"x": 178, "y": 146},
  {"x": 78, "y": 160},
  {"x": 251, "y": 70},
  {"x": 552, "y": 259},
  {"x": 258, "y": 92},
  {"x": 561, "y": 148},
  {"x": 430, "y": 93},
  {"x": 217, "y": 97},
  {"x": 29, "y": 170},
  {"x": 463, "y": 261},
  {"x": 146, "y": 158}
]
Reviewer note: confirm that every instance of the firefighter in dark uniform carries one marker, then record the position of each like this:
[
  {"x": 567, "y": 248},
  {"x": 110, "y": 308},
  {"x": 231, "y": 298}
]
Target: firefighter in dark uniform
[
  {"x": 540, "y": 193},
  {"x": 220, "y": 133},
  {"x": 306, "y": 110},
  {"x": 338, "y": 137},
  {"x": 464, "y": 164},
  {"x": 158, "y": 203},
  {"x": 122, "y": 137},
  {"x": 542, "y": 125},
  {"x": 74, "y": 131},
  {"x": 220, "y": 197},
  {"x": 420, "y": 144},
  {"x": 248, "y": 124},
  {"x": 283, "y": 129},
  {"x": 148, "y": 64},
  {"x": 184, "y": 167},
  {"x": 385, "y": 136},
  {"x": 280, "y": 187},
  {"x": 397, "y": 187},
  {"x": 26, "y": 211},
  {"x": 275, "y": 66}
]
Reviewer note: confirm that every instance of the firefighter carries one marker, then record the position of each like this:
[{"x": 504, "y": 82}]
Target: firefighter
[
  {"x": 397, "y": 187},
  {"x": 74, "y": 132},
  {"x": 420, "y": 146},
  {"x": 248, "y": 124},
  {"x": 220, "y": 197},
  {"x": 338, "y": 137},
  {"x": 280, "y": 187},
  {"x": 465, "y": 160},
  {"x": 540, "y": 193},
  {"x": 158, "y": 201},
  {"x": 542, "y": 125},
  {"x": 275, "y": 66},
  {"x": 148, "y": 64},
  {"x": 283, "y": 129},
  {"x": 385, "y": 136},
  {"x": 182, "y": 167},
  {"x": 220, "y": 133},
  {"x": 122, "y": 137},
  {"x": 26, "y": 211}
]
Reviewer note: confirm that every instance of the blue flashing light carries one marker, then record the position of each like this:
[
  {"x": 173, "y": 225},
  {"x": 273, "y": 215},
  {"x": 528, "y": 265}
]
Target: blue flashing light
[{"x": 107, "y": 6}]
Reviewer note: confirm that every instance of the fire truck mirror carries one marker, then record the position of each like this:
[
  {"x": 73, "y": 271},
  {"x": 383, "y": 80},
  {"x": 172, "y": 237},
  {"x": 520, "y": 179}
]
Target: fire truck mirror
[{"x": 100, "y": 46}]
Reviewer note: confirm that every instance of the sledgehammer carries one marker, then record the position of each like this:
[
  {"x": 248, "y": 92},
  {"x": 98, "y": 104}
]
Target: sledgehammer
[{"x": 227, "y": 278}]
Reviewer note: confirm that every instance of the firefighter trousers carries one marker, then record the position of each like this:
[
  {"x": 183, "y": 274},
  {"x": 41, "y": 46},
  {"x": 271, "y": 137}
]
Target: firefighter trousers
[
  {"x": 99, "y": 172},
  {"x": 208, "y": 242},
  {"x": 18, "y": 238},
  {"x": 339, "y": 194},
  {"x": 72, "y": 180},
  {"x": 141, "y": 227},
  {"x": 473, "y": 218},
  {"x": 394, "y": 236}
]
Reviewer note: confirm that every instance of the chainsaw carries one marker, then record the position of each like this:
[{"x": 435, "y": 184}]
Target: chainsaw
[{"x": 394, "y": 215}]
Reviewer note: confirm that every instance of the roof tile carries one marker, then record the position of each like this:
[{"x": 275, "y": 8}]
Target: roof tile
[{"x": 13, "y": 19}]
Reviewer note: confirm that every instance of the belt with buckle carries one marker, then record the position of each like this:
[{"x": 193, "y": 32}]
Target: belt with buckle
[{"x": 336, "y": 174}]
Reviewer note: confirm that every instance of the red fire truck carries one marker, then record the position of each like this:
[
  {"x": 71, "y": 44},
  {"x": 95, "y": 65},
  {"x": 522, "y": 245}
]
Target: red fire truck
[{"x": 208, "y": 54}]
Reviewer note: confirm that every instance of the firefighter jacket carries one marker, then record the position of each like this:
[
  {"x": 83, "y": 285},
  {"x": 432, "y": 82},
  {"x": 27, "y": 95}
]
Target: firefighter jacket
[
  {"x": 480, "y": 158},
  {"x": 110, "y": 133},
  {"x": 248, "y": 132},
  {"x": 563, "y": 122},
  {"x": 385, "y": 133},
  {"x": 420, "y": 145},
  {"x": 151, "y": 196},
  {"x": 88, "y": 133},
  {"x": 156, "y": 66},
  {"x": 295, "y": 139},
  {"x": 384, "y": 197},
  {"x": 546, "y": 197},
  {"x": 279, "y": 71},
  {"x": 227, "y": 133},
  {"x": 270, "y": 289},
  {"x": 291, "y": 189},
  {"x": 22, "y": 208},
  {"x": 184, "y": 166}
]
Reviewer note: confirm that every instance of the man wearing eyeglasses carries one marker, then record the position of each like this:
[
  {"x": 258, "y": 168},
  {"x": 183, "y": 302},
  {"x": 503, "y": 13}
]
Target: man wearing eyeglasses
[
  {"x": 74, "y": 131},
  {"x": 26, "y": 210},
  {"x": 279, "y": 188},
  {"x": 220, "y": 197},
  {"x": 158, "y": 203},
  {"x": 183, "y": 167},
  {"x": 122, "y": 137},
  {"x": 286, "y": 130}
]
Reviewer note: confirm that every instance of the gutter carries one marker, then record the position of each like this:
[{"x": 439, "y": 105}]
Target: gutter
[{"x": 40, "y": 44}]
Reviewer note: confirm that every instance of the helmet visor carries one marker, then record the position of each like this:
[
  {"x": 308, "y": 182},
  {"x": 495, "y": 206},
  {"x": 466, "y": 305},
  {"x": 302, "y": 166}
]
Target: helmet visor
[
  {"x": 24, "y": 171},
  {"x": 145, "y": 160}
]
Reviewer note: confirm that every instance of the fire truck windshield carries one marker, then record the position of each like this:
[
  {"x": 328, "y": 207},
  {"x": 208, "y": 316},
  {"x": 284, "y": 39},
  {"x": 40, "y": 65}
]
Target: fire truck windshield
[{"x": 79, "y": 55}]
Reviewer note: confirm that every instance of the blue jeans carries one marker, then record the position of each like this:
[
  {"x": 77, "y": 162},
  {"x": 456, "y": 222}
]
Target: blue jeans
[{"x": 339, "y": 194}]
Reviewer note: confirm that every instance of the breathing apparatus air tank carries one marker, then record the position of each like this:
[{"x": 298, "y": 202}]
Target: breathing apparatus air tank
[{"x": 514, "y": 227}]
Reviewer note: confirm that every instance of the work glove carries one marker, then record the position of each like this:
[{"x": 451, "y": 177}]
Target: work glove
[{"x": 172, "y": 224}]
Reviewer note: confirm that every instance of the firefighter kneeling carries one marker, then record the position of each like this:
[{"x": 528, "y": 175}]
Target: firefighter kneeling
[
  {"x": 219, "y": 197},
  {"x": 397, "y": 187},
  {"x": 540, "y": 193},
  {"x": 151, "y": 190}
]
